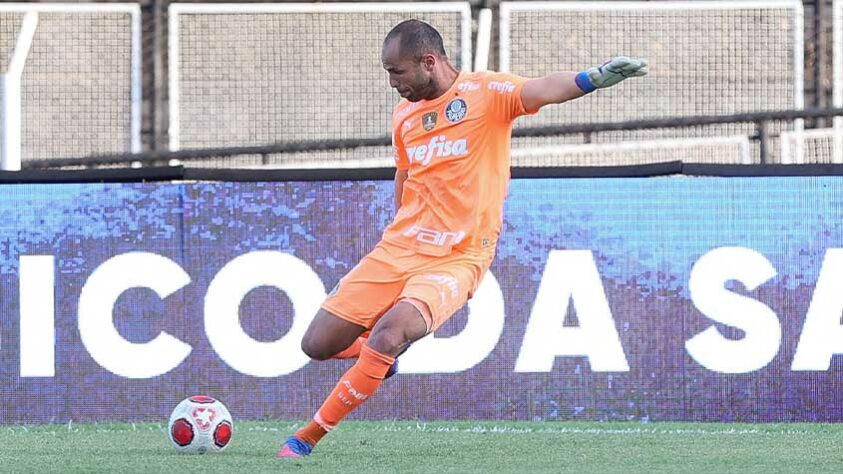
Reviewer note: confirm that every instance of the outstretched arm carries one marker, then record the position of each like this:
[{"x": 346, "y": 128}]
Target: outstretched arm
[
  {"x": 400, "y": 177},
  {"x": 563, "y": 86}
]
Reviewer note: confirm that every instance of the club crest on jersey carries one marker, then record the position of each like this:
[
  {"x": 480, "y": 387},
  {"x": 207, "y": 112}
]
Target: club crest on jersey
[
  {"x": 456, "y": 110},
  {"x": 429, "y": 120}
]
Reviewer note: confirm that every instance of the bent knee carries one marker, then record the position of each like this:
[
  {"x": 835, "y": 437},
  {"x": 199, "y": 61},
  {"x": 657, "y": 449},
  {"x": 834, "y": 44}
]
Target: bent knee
[
  {"x": 388, "y": 342},
  {"x": 392, "y": 339}
]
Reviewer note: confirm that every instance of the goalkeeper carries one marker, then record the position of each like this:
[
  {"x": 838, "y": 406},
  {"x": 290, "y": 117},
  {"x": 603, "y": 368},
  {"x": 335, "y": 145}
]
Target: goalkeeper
[{"x": 451, "y": 134}]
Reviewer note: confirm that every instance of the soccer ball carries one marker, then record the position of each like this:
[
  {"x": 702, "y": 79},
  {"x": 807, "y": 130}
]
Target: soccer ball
[{"x": 200, "y": 424}]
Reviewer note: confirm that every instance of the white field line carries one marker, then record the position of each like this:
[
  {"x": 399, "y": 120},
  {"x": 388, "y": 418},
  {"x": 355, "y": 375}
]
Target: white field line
[
  {"x": 493, "y": 429},
  {"x": 70, "y": 427}
]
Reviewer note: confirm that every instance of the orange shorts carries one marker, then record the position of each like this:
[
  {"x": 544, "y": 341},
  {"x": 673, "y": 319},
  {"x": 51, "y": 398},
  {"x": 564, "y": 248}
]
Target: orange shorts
[{"x": 389, "y": 274}]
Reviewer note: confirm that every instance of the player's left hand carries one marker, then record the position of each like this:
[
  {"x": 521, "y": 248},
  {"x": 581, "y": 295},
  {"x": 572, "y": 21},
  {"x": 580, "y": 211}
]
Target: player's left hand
[{"x": 611, "y": 72}]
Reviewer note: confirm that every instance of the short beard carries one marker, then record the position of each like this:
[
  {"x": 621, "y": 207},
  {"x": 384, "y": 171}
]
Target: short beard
[{"x": 426, "y": 91}]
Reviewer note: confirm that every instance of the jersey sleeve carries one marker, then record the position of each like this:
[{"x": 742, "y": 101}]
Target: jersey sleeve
[{"x": 506, "y": 95}]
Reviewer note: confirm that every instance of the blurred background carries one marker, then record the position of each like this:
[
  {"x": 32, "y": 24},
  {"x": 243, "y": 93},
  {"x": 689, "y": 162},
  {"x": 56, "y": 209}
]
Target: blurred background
[{"x": 300, "y": 85}]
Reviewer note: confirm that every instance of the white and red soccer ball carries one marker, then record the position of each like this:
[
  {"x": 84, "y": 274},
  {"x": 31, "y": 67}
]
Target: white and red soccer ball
[{"x": 200, "y": 424}]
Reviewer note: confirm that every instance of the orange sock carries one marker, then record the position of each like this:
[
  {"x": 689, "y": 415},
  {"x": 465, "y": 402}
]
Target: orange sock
[
  {"x": 353, "y": 350},
  {"x": 355, "y": 386},
  {"x": 311, "y": 433}
]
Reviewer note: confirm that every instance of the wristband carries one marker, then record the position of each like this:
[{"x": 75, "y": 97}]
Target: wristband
[{"x": 584, "y": 82}]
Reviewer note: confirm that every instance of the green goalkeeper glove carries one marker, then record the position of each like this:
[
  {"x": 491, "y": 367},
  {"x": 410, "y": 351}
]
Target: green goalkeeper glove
[{"x": 610, "y": 73}]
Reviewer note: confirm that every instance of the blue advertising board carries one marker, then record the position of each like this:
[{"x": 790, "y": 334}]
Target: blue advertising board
[{"x": 639, "y": 298}]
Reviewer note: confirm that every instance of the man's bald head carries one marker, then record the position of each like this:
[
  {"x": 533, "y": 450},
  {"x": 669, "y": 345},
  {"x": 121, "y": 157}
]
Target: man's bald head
[
  {"x": 415, "y": 39},
  {"x": 414, "y": 57}
]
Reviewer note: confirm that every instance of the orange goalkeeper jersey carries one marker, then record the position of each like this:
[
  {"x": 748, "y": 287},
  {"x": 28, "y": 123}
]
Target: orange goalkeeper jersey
[{"x": 456, "y": 150}]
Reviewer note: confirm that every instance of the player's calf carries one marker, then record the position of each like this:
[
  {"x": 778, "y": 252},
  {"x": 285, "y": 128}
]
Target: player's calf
[{"x": 356, "y": 386}]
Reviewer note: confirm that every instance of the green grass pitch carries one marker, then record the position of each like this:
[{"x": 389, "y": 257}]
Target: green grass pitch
[{"x": 439, "y": 447}]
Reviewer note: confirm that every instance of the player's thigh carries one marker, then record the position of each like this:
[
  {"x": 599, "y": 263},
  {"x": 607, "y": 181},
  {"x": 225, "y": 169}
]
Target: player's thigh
[
  {"x": 328, "y": 334},
  {"x": 369, "y": 290}
]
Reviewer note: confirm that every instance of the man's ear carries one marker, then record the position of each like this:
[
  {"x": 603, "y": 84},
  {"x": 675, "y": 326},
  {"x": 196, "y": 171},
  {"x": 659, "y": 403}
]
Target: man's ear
[{"x": 428, "y": 62}]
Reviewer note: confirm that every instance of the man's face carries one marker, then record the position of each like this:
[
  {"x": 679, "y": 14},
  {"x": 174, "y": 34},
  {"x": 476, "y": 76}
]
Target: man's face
[{"x": 412, "y": 78}]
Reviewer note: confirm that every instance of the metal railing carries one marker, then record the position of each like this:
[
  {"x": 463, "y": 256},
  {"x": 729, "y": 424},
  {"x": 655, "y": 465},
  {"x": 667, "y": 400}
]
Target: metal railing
[{"x": 761, "y": 120}]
